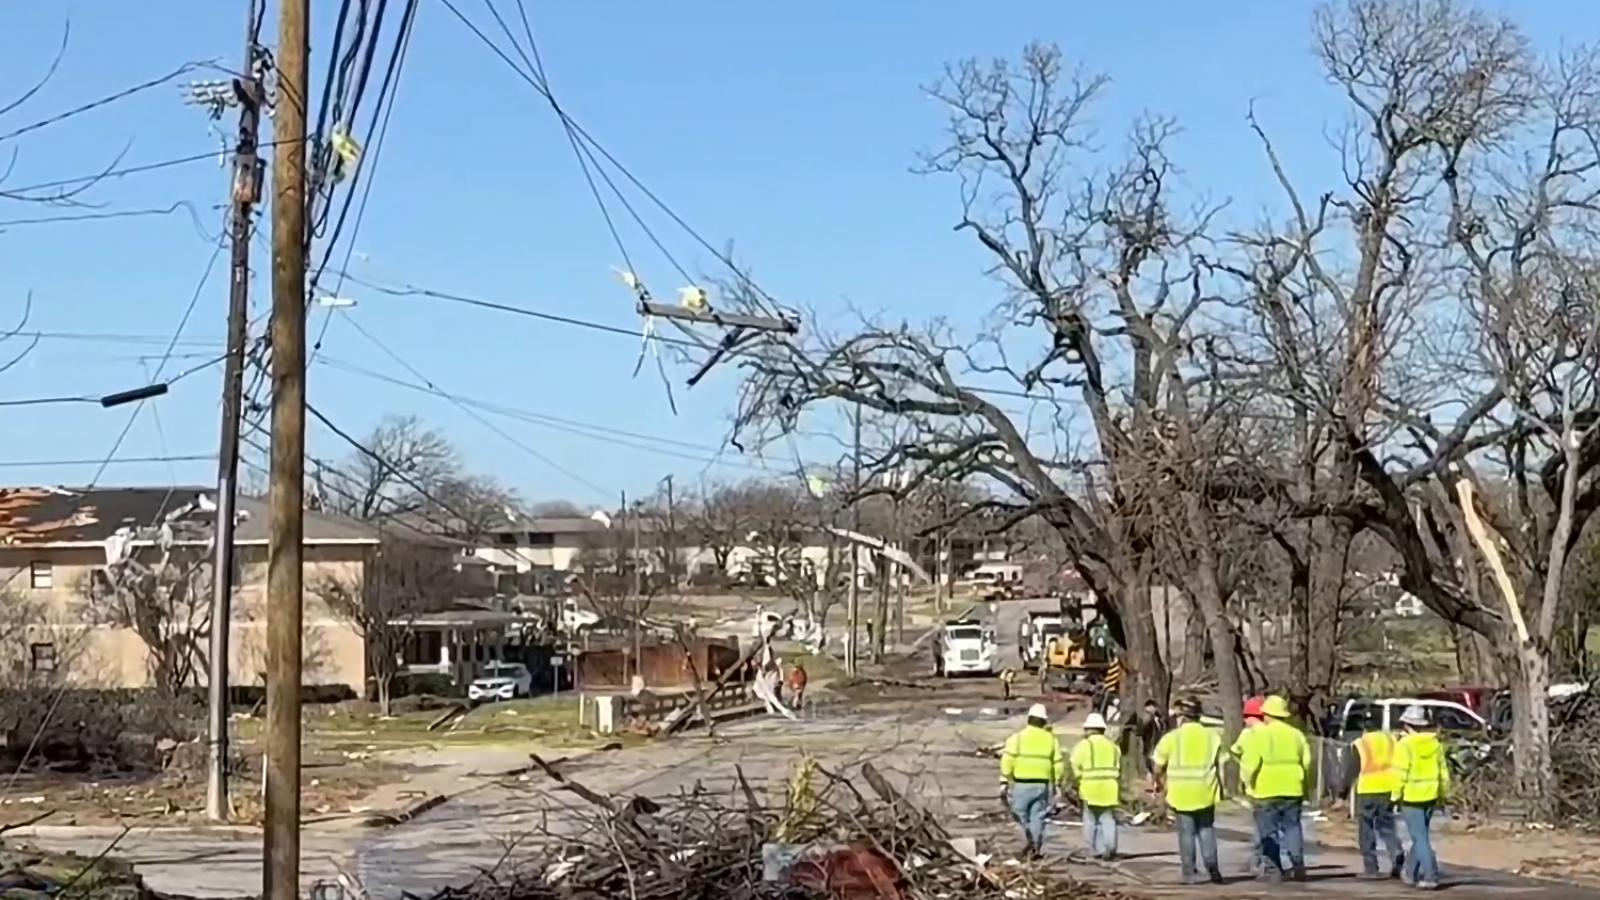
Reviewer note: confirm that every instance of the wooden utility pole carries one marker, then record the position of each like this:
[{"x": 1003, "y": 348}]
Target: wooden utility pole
[
  {"x": 285, "y": 522},
  {"x": 246, "y": 191},
  {"x": 672, "y": 538},
  {"x": 853, "y": 606}
]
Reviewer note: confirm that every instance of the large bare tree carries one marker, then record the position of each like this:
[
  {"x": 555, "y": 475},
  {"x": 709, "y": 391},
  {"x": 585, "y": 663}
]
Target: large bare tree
[
  {"x": 1431, "y": 321},
  {"x": 1101, "y": 290}
]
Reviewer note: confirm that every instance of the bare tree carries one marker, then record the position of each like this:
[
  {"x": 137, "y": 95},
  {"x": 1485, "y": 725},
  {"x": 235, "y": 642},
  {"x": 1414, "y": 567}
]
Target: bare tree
[
  {"x": 720, "y": 520},
  {"x": 405, "y": 454},
  {"x": 557, "y": 509},
  {"x": 166, "y": 601},
  {"x": 396, "y": 584},
  {"x": 26, "y": 624},
  {"x": 1462, "y": 326},
  {"x": 472, "y": 504},
  {"x": 1101, "y": 288}
]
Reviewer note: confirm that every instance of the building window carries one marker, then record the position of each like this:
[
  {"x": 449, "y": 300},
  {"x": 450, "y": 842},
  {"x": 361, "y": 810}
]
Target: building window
[
  {"x": 41, "y": 575},
  {"x": 541, "y": 539},
  {"x": 42, "y": 657}
]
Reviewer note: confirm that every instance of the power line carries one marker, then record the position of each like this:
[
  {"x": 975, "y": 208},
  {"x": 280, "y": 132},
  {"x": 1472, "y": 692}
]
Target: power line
[
  {"x": 177, "y": 335},
  {"x": 113, "y": 338},
  {"x": 541, "y": 457},
  {"x": 569, "y": 426},
  {"x": 445, "y": 528},
  {"x": 101, "y": 101},
  {"x": 103, "y": 174},
  {"x": 394, "y": 470},
  {"x": 414, "y": 291},
  {"x": 380, "y": 129},
  {"x": 418, "y": 291},
  {"x": 601, "y": 433},
  {"x": 47, "y": 401},
  {"x": 540, "y": 85},
  {"x": 124, "y": 461}
]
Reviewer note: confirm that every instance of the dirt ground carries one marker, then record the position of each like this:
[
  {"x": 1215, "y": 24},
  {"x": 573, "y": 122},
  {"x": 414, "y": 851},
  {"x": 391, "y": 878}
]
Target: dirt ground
[
  {"x": 350, "y": 753},
  {"x": 1538, "y": 852}
]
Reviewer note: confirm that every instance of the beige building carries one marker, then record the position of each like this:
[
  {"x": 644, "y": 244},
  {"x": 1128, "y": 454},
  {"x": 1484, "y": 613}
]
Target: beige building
[{"x": 103, "y": 576}]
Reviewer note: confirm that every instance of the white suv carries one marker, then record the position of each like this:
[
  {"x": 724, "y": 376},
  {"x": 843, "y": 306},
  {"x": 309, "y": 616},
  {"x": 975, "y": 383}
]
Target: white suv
[
  {"x": 1360, "y": 716},
  {"x": 501, "y": 681}
]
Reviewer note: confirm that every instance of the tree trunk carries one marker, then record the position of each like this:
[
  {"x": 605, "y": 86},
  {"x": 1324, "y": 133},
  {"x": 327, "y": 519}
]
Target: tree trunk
[
  {"x": 1531, "y": 766},
  {"x": 385, "y": 685},
  {"x": 1213, "y": 605},
  {"x": 1300, "y": 621},
  {"x": 1253, "y": 679},
  {"x": 1224, "y": 643},
  {"x": 1145, "y": 675},
  {"x": 1330, "y": 559},
  {"x": 1195, "y": 643}
]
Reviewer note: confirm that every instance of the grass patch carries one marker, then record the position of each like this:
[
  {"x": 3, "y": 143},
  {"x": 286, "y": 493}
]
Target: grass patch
[{"x": 342, "y": 731}]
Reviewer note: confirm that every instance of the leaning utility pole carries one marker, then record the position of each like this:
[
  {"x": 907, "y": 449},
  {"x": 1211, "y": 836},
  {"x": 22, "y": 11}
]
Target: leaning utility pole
[
  {"x": 246, "y": 191},
  {"x": 853, "y": 607},
  {"x": 672, "y": 538},
  {"x": 285, "y": 522}
]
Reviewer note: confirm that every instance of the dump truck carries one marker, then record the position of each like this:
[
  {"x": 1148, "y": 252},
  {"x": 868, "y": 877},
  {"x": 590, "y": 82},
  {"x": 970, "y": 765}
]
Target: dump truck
[{"x": 1035, "y": 631}]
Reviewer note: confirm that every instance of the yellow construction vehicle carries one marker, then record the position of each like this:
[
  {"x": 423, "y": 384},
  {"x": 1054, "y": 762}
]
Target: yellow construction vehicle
[{"x": 1077, "y": 660}]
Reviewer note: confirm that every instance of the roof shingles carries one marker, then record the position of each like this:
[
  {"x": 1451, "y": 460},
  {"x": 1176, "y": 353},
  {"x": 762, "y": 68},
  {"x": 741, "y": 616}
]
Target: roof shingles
[{"x": 35, "y": 516}]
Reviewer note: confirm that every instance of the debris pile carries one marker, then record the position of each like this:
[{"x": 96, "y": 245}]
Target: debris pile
[
  {"x": 850, "y": 836},
  {"x": 1485, "y": 785}
]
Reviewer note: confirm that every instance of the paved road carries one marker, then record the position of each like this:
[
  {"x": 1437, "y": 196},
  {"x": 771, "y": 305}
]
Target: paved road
[{"x": 930, "y": 754}]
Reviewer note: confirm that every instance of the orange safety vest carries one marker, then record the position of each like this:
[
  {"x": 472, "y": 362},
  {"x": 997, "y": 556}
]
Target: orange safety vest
[{"x": 1376, "y": 749}]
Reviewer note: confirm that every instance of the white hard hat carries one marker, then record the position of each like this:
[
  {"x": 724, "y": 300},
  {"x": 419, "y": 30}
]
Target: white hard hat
[
  {"x": 1414, "y": 715},
  {"x": 1094, "y": 722},
  {"x": 1037, "y": 711}
]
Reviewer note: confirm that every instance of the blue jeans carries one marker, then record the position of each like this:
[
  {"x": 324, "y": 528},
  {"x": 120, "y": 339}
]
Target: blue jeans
[
  {"x": 1197, "y": 828},
  {"x": 1030, "y": 803},
  {"x": 1420, "y": 864},
  {"x": 1100, "y": 830},
  {"x": 1278, "y": 825},
  {"x": 1376, "y": 822}
]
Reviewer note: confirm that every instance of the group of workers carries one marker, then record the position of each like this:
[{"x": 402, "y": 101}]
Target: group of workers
[{"x": 1409, "y": 772}]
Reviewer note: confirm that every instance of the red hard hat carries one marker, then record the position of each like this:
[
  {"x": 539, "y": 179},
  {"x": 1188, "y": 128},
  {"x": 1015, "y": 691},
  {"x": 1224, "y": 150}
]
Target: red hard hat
[{"x": 1252, "y": 707}]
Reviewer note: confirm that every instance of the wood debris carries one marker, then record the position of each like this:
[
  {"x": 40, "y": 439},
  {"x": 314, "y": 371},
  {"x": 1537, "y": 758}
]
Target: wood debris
[{"x": 848, "y": 835}]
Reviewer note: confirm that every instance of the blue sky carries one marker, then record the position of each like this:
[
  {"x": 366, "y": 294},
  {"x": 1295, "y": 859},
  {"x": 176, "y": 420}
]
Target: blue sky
[{"x": 788, "y": 129}]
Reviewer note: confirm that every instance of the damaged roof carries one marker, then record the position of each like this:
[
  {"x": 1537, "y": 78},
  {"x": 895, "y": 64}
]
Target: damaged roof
[{"x": 34, "y": 516}]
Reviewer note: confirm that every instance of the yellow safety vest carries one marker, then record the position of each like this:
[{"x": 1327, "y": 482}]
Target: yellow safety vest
[
  {"x": 1376, "y": 749},
  {"x": 1275, "y": 762},
  {"x": 1097, "y": 761},
  {"x": 1240, "y": 745},
  {"x": 1422, "y": 774},
  {"x": 1032, "y": 754},
  {"x": 1189, "y": 755}
]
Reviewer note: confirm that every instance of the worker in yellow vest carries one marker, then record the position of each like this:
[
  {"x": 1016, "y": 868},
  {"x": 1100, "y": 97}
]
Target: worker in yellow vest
[
  {"x": 1186, "y": 761},
  {"x": 1274, "y": 766},
  {"x": 1371, "y": 767},
  {"x": 1254, "y": 718},
  {"x": 1031, "y": 765},
  {"x": 1097, "y": 765},
  {"x": 1421, "y": 786}
]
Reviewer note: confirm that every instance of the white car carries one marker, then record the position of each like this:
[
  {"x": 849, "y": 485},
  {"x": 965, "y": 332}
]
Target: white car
[
  {"x": 1383, "y": 714},
  {"x": 501, "y": 681}
]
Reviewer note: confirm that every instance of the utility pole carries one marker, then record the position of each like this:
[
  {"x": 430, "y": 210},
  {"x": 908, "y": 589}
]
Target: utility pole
[
  {"x": 853, "y": 606},
  {"x": 246, "y": 191},
  {"x": 672, "y": 538},
  {"x": 286, "y": 518},
  {"x": 638, "y": 594}
]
